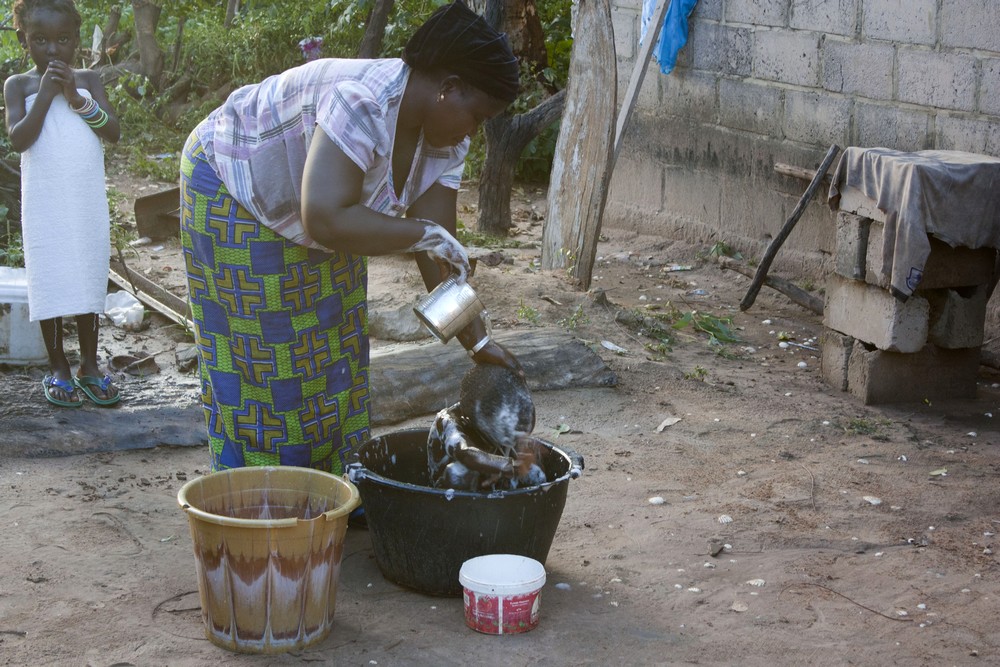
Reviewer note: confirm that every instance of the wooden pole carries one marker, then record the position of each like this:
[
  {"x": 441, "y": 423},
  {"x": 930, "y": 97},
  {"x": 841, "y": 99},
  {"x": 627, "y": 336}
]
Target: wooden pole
[
  {"x": 772, "y": 250},
  {"x": 581, "y": 169},
  {"x": 638, "y": 74}
]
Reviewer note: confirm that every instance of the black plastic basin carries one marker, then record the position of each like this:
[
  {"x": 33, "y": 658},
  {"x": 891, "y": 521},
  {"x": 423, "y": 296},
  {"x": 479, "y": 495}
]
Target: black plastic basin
[{"x": 421, "y": 535}]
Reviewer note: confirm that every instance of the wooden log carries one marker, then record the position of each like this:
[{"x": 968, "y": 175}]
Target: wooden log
[
  {"x": 786, "y": 229},
  {"x": 581, "y": 169},
  {"x": 413, "y": 379},
  {"x": 169, "y": 305},
  {"x": 792, "y": 291}
]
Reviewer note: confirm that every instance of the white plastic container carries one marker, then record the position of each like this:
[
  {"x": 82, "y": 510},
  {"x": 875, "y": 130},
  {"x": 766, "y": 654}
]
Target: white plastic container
[
  {"x": 20, "y": 339},
  {"x": 502, "y": 593}
]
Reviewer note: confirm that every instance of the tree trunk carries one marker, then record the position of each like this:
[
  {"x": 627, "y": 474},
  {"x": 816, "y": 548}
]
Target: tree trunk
[
  {"x": 178, "y": 45},
  {"x": 581, "y": 170},
  {"x": 506, "y": 137},
  {"x": 110, "y": 28},
  {"x": 524, "y": 30},
  {"x": 232, "y": 7},
  {"x": 146, "y": 15},
  {"x": 371, "y": 43}
]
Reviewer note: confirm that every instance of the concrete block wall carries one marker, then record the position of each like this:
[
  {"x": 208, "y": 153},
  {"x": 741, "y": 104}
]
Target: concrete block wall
[{"x": 766, "y": 81}]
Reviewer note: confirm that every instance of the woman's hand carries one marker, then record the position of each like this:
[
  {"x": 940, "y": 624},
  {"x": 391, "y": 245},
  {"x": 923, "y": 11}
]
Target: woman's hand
[{"x": 443, "y": 248}]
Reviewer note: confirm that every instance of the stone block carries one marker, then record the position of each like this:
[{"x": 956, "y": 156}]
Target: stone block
[
  {"x": 835, "y": 353},
  {"x": 906, "y": 21},
  {"x": 689, "y": 94},
  {"x": 970, "y": 24},
  {"x": 858, "y": 68},
  {"x": 877, "y": 376},
  {"x": 833, "y": 17},
  {"x": 787, "y": 56},
  {"x": 817, "y": 118},
  {"x": 958, "y": 316},
  {"x": 708, "y": 9},
  {"x": 935, "y": 79},
  {"x": 750, "y": 106},
  {"x": 852, "y": 245},
  {"x": 872, "y": 315},
  {"x": 718, "y": 49},
  {"x": 989, "y": 87},
  {"x": 757, "y": 12},
  {"x": 945, "y": 267},
  {"x": 625, "y": 24},
  {"x": 893, "y": 127},
  {"x": 640, "y": 182},
  {"x": 854, "y": 201},
  {"x": 972, "y": 135}
]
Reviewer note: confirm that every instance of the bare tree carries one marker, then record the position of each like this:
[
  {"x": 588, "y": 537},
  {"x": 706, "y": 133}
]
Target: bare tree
[
  {"x": 508, "y": 134},
  {"x": 232, "y": 8},
  {"x": 146, "y": 15},
  {"x": 378, "y": 18}
]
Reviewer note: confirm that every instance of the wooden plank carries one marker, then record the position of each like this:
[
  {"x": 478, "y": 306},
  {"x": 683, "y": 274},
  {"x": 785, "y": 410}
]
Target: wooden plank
[
  {"x": 795, "y": 172},
  {"x": 638, "y": 75},
  {"x": 151, "y": 294},
  {"x": 157, "y": 216},
  {"x": 581, "y": 170}
]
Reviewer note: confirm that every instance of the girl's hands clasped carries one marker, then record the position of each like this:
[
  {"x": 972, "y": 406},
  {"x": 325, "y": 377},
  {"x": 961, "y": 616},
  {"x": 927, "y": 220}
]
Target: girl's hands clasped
[
  {"x": 58, "y": 76},
  {"x": 443, "y": 248}
]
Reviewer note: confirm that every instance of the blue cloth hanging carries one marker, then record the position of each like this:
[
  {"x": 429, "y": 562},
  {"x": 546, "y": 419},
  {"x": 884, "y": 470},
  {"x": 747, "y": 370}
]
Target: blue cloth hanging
[{"x": 674, "y": 34}]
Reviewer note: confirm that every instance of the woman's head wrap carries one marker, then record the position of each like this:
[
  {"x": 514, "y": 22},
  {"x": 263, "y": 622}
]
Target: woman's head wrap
[{"x": 458, "y": 40}]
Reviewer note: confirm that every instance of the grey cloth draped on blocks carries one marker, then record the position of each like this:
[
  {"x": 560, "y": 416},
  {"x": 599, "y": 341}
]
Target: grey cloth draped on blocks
[{"x": 951, "y": 195}]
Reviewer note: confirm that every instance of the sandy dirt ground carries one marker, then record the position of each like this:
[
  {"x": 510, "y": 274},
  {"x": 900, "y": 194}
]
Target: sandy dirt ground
[{"x": 734, "y": 508}]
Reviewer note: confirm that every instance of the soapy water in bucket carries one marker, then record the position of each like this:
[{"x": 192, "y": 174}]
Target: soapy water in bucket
[{"x": 483, "y": 442}]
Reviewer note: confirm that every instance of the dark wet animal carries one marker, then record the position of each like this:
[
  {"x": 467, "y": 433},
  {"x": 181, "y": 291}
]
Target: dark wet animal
[{"x": 484, "y": 442}]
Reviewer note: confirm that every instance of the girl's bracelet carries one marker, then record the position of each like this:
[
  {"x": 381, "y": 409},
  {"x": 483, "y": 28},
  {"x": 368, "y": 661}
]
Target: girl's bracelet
[
  {"x": 88, "y": 108},
  {"x": 98, "y": 120}
]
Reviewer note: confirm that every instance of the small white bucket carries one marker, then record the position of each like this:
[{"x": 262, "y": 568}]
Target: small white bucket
[{"x": 502, "y": 593}]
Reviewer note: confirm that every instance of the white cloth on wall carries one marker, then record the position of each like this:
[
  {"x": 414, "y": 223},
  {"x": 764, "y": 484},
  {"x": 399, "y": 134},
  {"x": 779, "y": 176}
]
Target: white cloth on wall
[
  {"x": 65, "y": 221},
  {"x": 952, "y": 195}
]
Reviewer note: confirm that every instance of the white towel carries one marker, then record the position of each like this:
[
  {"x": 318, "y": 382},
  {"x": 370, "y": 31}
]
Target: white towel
[{"x": 64, "y": 216}]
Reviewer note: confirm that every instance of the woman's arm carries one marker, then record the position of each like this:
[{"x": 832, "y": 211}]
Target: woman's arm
[
  {"x": 439, "y": 204},
  {"x": 334, "y": 215}
]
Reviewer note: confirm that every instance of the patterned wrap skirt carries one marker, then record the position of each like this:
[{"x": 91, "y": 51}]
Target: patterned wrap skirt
[{"x": 282, "y": 333}]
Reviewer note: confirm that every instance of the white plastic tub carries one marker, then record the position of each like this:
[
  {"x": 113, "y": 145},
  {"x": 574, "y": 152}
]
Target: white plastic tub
[{"x": 20, "y": 339}]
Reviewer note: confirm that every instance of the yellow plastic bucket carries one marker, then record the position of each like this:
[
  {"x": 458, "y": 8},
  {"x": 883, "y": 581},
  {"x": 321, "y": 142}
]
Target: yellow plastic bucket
[{"x": 268, "y": 543}]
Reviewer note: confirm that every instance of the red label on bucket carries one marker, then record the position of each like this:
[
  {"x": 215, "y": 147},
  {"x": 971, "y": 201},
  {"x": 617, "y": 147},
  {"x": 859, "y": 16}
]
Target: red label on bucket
[{"x": 501, "y": 614}]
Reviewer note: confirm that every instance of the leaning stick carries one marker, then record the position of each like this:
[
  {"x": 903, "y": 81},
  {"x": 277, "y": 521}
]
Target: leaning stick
[{"x": 772, "y": 250}]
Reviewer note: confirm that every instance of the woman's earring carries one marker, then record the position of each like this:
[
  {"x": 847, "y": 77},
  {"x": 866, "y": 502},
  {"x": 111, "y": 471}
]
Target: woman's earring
[{"x": 441, "y": 97}]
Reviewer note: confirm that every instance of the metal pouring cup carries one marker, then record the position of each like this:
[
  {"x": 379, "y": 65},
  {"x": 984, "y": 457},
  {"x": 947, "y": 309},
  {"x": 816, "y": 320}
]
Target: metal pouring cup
[{"x": 448, "y": 308}]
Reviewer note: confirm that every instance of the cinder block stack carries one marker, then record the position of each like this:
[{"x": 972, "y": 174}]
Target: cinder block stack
[{"x": 884, "y": 350}]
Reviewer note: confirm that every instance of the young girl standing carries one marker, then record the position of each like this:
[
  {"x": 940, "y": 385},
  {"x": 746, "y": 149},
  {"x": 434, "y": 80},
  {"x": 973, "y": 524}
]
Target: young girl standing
[{"x": 56, "y": 118}]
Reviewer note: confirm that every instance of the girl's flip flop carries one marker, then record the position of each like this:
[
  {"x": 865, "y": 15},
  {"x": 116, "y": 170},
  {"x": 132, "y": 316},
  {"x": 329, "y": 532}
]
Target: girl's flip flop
[
  {"x": 49, "y": 382},
  {"x": 85, "y": 382}
]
